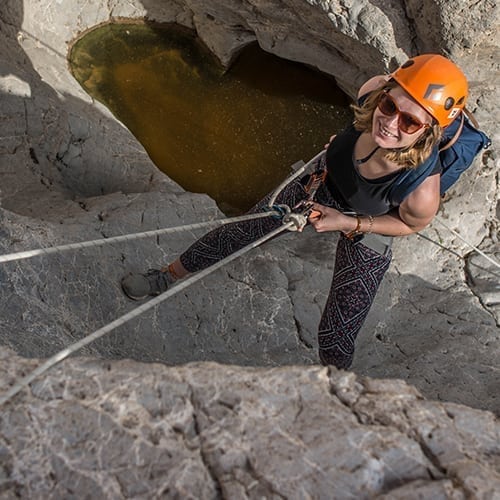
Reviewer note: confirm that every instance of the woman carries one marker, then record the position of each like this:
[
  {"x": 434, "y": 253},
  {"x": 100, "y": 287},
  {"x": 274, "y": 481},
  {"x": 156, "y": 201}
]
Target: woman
[{"x": 398, "y": 124}]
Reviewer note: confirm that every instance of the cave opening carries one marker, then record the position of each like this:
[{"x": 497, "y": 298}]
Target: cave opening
[{"x": 232, "y": 133}]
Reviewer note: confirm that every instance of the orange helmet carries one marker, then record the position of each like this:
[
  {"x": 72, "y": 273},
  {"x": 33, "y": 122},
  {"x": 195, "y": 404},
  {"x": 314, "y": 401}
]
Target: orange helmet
[{"x": 436, "y": 83}]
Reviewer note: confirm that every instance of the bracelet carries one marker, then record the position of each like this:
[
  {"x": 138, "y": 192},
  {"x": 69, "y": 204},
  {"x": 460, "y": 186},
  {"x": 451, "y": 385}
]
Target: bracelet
[
  {"x": 355, "y": 231},
  {"x": 370, "y": 224}
]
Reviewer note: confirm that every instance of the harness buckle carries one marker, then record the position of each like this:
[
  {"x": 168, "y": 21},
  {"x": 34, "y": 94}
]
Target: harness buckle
[{"x": 315, "y": 180}]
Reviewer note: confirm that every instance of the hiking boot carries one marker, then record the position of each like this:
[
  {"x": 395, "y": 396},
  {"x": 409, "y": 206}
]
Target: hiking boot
[{"x": 140, "y": 286}]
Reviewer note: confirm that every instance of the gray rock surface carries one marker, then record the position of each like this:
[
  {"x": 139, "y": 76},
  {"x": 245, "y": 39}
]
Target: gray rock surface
[
  {"x": 204, "y": 430},
  {"x": 70, "y": 172}
]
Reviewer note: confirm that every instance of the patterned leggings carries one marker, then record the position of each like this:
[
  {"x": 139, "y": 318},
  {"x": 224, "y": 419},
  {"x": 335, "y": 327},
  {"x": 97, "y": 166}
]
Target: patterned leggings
[{"x": 358, "y": 272}]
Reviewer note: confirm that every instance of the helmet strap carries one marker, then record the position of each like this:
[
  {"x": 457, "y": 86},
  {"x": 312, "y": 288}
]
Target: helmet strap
[{"x": 452, "y": 141}]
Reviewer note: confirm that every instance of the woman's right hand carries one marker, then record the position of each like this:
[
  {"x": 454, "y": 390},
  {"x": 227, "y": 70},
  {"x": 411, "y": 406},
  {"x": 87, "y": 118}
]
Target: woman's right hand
[{"x": 328, "y": 219}]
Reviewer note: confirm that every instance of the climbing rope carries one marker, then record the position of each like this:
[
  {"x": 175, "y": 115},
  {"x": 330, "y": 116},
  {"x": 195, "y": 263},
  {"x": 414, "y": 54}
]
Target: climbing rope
[
  {"x": 18, "y": 386},
  {"x": 129, "y": 237},
  {"x": 461, "y": 257},
  {"x": 293, "y": 221},
  {"x": 475, "y": 248},
  {"x": 272, "y": 200}
]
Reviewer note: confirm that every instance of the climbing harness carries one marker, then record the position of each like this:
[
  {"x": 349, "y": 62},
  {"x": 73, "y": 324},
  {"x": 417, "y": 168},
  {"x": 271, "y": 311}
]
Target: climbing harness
[
  {"x": 303, "y": 209},
  {"x": 292, "y": 219},
  {"x": 289, "y": 179}
]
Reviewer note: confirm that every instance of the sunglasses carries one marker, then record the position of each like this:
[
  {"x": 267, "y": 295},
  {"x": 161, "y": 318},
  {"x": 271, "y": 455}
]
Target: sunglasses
[{"x": 407, "y": 123}]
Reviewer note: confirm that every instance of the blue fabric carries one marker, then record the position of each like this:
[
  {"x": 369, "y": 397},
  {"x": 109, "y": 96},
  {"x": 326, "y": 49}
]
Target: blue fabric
[{"x": 454, "y": 160}]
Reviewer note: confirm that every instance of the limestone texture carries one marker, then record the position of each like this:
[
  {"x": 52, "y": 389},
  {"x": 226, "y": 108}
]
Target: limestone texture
[
  {"x": 243, "y": 410},
  {"x": 206, "y": 430}
]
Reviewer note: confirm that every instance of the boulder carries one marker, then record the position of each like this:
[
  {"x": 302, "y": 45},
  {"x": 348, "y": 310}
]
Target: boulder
[{"x": 105, "y": 429}]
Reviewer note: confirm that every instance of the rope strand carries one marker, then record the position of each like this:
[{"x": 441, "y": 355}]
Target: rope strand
[
  {"x": 287, "y": 224},
  {"x": 489, "y": 271},
  {"x": 480, "y": 252},
  {"x": 57, "y": 358},
  {"x": 290, "y": 178},
  {"x": 129, "y": 237}
]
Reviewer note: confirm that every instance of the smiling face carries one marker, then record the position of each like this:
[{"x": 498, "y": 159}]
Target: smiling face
[{"x": 388, "y": 130}]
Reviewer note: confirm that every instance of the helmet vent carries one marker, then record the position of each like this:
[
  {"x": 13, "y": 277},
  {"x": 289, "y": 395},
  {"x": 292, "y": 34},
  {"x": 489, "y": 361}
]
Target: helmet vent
[
  {"x": 448, "y": 104},
  {"x": 408, "y": 63},
  {"x": 461, "y": 101}
]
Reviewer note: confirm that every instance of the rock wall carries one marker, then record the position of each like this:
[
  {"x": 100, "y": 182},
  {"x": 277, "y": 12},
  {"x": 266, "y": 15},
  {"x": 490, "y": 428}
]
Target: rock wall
[
  {"x": 206, "y": 431},
  {"x": 71, "y": 172}
]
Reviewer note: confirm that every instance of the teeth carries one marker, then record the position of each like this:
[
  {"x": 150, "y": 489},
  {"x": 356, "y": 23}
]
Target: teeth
[{"x": 385, "y": 132}]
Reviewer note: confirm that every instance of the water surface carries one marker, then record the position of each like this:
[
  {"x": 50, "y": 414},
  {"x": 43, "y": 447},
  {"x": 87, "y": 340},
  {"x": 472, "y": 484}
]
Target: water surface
[{"x": 232, "y": 134}]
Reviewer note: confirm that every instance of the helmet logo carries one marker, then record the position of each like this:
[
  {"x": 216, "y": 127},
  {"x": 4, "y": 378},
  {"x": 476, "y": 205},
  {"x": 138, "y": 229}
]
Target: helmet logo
[{"x": 434, "y": 92}]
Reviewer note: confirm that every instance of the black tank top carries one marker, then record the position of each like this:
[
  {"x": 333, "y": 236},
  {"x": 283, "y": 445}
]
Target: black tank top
[{"x": 352, "y": 190}]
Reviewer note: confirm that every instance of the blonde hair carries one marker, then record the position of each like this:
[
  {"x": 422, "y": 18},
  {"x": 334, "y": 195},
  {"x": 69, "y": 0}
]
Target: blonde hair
[{"x": 410, "y": 156}]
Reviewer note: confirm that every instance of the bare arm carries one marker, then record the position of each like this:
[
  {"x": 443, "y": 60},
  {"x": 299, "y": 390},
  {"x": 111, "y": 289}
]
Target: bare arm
[{"x": 416, "y": 212}]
